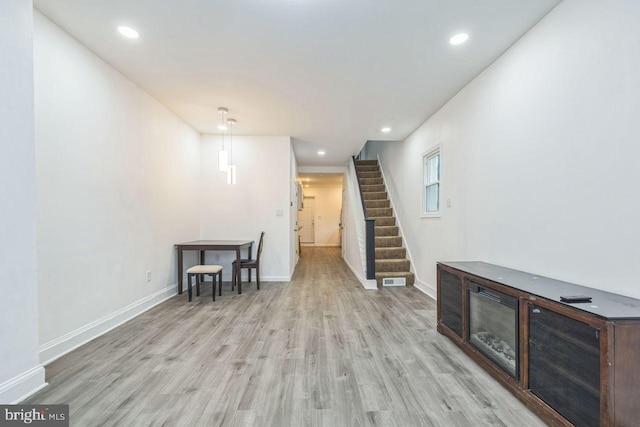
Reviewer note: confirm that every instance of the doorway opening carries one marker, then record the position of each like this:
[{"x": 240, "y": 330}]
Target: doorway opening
[{"x": 319, "y": 220}]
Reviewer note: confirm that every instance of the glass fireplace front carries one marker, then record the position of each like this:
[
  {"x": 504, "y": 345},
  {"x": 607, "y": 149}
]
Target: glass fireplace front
[{"x": 493, "y": 326}]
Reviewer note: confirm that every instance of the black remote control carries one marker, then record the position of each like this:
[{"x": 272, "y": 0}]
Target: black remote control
[{"x": 575, "y": 298}]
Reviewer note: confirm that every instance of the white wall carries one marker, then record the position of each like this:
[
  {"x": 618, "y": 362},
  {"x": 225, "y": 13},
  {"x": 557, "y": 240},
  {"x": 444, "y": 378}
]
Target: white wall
[
  {"x": 539, "y": 156},
  {"x": 20, "y": 372},
  {"x": 117, "y": 185},
  {"x": 243, "y": 210},
  {"x": 328, "y": 202},
  {"x": 353, "y": 236}
]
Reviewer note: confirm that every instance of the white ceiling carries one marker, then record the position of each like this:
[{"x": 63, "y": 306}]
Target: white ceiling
[{"x": 328, "y": 73}]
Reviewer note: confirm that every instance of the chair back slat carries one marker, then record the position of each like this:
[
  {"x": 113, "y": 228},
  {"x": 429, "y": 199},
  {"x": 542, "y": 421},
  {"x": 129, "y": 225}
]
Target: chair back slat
[{"x": 260, "y": 245}]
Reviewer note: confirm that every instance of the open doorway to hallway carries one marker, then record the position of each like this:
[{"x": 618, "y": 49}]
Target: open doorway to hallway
[{"x": 319, "y": 219}]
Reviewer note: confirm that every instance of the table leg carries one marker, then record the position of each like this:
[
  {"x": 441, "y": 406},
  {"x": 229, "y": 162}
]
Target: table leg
[
  {"x": 179, "y": 270},
  {"x": 238, "y": 271},
  {"x": 249, "y": 257},
  {"x": 202, "y": 263}
]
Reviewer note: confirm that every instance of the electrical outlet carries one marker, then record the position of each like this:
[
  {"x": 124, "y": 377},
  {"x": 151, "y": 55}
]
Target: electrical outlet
[{"x": 149, "y": 276}]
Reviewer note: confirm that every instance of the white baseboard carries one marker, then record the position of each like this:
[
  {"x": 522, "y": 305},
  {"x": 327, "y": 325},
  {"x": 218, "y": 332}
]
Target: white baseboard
[
  {"x": 74, "y": 339},
  {"x": 22, "y": 386},
  {"x": 367, "y": 284},
  {"x": 355, "y": 273},
  {"x": 245, "y": 279},
  {"x": 426, "y": 289},
  {"x": 272, "y": 278}
]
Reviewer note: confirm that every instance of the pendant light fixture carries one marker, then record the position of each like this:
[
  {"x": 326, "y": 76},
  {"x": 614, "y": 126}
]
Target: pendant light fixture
[
  {"x": 231, "y": 169},
  {"x": 223, "y": 155}
]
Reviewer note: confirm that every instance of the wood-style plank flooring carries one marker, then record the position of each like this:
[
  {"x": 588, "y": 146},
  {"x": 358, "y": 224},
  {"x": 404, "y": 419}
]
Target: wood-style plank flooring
[{"x": 318, "y": 351}]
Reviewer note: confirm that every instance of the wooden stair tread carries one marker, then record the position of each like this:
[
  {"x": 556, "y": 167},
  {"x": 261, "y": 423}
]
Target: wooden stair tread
[
  {"x": 366, "y": 162},
  {"x": 391, "y": 253}
]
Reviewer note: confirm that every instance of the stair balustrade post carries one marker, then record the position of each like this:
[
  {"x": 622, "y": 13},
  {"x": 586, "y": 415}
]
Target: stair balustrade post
[{"x": 371, "y": 247}]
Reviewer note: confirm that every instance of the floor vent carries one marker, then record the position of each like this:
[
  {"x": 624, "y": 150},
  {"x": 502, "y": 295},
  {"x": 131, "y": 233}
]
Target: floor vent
[{"x": 394, "y": 281}]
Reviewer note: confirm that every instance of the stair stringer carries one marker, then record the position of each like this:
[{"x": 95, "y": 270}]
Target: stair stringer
[{"x": 424, "y": 287}]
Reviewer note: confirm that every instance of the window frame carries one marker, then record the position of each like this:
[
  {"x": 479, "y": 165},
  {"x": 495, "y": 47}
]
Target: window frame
[{"x": 432, "y": 152}]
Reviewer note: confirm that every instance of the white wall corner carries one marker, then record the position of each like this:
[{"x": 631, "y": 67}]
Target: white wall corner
[
  {"x": 62, "y": 345},
  {"x": 425, "y": 288},
  {"x": 22, "y": 386}
]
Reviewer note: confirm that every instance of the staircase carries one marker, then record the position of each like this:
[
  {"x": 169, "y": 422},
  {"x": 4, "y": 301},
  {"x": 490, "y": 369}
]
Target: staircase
[{"x": 391, "y": 256}]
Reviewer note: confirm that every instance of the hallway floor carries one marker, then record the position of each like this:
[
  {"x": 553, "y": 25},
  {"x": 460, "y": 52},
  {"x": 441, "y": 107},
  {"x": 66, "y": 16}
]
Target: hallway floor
[{"x": 318, "y": 351}]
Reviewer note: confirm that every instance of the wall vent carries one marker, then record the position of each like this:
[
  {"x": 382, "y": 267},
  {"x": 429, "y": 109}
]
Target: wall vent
[{"x": 394, "y": 281}]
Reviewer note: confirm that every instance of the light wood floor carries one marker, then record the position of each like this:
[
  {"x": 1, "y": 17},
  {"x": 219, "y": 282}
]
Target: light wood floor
[{"x": 318, "y": 351}]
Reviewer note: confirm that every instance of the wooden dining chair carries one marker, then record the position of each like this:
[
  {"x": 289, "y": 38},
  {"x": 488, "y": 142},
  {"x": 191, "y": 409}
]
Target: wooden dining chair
[
  {"x": 202, "y": 270},
  {"x": 248, "y": 264}
]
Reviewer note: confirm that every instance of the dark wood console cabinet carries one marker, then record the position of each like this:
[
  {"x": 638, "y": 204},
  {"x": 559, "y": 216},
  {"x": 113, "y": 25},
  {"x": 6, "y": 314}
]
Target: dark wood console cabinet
[{"x": 575, "y": 364}]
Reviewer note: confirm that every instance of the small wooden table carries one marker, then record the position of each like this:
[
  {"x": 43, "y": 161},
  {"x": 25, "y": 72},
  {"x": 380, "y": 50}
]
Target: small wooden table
[{"x": 213, "y": 245}]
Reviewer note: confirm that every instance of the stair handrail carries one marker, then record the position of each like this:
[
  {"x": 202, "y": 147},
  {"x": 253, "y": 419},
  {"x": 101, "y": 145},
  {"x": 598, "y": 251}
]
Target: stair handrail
[{"x": 370, "y": 231}]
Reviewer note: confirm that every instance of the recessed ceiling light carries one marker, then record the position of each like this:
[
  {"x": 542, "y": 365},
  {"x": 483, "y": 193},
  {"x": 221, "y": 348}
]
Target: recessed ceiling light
[
  {"x": 321, "y": 153},
  {"x": 385, "y": 130},
  {"x": 222, "y": 127},
  {"x": 128, "y": 32},
  {"x": 459, "y": 38}
]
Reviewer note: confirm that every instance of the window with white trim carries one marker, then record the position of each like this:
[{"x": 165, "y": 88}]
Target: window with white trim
[{"x": 431, "y": 184}]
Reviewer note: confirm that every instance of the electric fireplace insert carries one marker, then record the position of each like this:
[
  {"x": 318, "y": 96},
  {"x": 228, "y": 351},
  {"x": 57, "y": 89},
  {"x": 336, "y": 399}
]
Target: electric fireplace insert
[{"x": 493, "y": 326}]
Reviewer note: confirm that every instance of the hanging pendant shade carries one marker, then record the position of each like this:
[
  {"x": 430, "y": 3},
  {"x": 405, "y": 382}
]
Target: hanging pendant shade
[
  {"x": 223, "y": 155},
  {"x": 231, "y": 174},
  {"x": 231, "y": 169}
]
